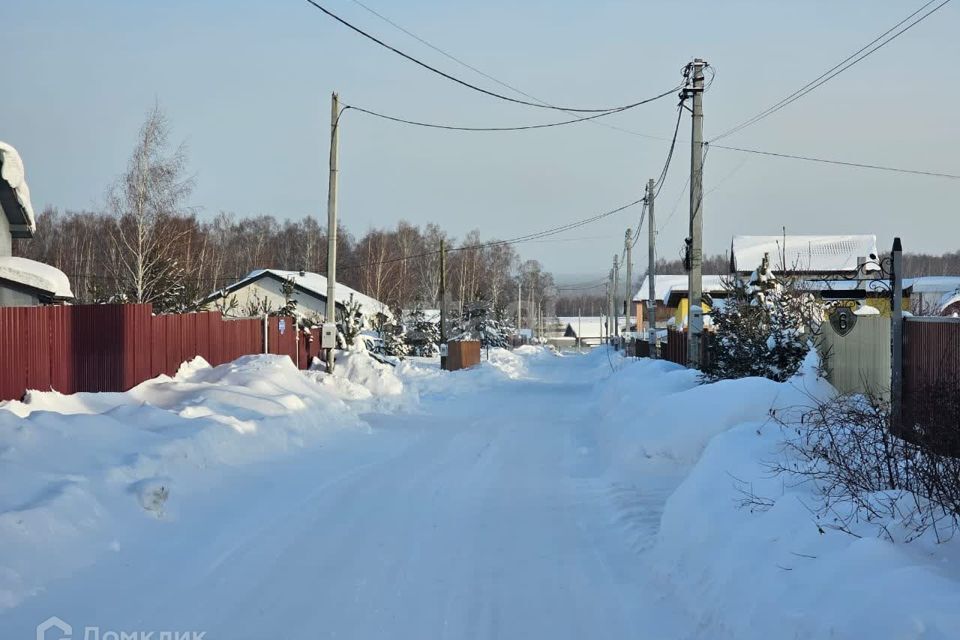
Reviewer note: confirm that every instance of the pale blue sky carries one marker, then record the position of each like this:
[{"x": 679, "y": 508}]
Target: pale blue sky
[{"x": 246, "y": 84}]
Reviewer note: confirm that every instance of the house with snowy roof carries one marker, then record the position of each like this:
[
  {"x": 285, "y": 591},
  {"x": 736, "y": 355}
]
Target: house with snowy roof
[
  {"x": 23, "y": 282},
  {"x": 671, "y": 297},
  {"x": 263, "y": 290},
  {"x": 835, "y": 267},
  {"x": 808, "y": 256}
]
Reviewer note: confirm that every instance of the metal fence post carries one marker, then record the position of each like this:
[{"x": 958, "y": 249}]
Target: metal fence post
[{"x": 896, "y": 339}]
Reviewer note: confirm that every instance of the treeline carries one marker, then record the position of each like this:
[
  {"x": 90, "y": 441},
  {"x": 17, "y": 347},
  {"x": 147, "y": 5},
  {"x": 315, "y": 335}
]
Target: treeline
[{"x": 147, "y": 245}]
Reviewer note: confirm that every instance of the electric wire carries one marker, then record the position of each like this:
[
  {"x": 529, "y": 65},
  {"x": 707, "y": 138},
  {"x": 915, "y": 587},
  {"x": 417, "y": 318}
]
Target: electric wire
[
  {"x": 546, "y": 125},
  {"x": 459, "y": 81},
  {"x": 505, "y": 85},
  {"x": 843, "y": 163},
  {"x": 839, "y": 68}
]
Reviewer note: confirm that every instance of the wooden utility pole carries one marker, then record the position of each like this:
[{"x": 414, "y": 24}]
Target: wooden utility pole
[
  {"x": 616, "y": 285},
  {"x": 331, "y": 306},
  {"x": 628, "y": 282},
  {"x": 443, "y": 304},
  {"x": 695, "y": 288},
  {"x": 651, "y": 272},
  {"x": 519, "y": 302},
  {"x": 609, "y": 308}
]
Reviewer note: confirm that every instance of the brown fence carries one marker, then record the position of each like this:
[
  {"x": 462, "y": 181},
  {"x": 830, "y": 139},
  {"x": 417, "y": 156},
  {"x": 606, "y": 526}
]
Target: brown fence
[
  {"x": 115, "y": 347},
  {"x": 931, "y": 368},
  {"x": 641, "y": 349},
  {"x": 675, "y": 347}
]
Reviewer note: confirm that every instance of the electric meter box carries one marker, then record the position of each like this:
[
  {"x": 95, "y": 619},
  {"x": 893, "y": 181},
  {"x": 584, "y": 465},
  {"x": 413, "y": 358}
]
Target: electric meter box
[{"x": 328, "y": 336}]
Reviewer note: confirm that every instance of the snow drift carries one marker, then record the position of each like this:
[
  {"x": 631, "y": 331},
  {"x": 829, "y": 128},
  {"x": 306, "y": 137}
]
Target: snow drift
[{"x": 765, "y": 570}]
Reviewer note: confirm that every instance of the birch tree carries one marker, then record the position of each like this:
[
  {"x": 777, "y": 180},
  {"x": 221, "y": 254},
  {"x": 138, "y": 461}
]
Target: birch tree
[{"x": 143, "y": 201}]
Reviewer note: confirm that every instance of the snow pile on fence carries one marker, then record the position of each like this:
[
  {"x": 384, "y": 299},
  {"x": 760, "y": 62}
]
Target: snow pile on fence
[{"x": 767, "y": 569}]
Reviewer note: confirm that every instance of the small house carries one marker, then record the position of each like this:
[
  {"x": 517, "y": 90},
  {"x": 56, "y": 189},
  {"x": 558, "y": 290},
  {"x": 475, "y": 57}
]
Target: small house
[
  {"x": 671, "y": 297},
  {"x": 268, "y": 290},
  {"x": 807, "y": 256},
  {"x": 934, "y": 295},
  {"x": 837, "y": 268},
  {"x": 23, "y": 282},
  {"x": 585, "y": 329}
]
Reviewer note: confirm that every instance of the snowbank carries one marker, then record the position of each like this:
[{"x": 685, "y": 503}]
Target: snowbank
[
  {"x": 770, "y": 570},
  {"x": 73, "y": 468}
]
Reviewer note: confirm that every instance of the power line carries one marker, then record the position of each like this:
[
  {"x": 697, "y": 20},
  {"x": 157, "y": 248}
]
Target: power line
[
  {"x": 843, "y": 163},
  {"x": 583, "y": 287},
  {"x": 673, "y": 144},
  {"x": 490, "y": 77},
  {"x": 839, "y": 68},
  {"x": 448, "y": 127},
  {"x": 459, "y": 81}
]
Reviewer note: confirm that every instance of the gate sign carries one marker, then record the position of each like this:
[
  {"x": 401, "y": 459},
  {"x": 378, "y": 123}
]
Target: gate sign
[
  {"x": 843, "y": 319},
  {"x": 283, "y": 325}
]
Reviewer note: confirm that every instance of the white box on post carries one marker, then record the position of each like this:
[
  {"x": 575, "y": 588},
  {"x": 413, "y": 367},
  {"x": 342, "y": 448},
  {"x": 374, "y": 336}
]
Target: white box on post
[{"x": 328, "y": 336}]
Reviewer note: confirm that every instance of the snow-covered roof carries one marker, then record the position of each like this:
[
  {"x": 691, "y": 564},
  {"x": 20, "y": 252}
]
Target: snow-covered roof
[
  {"x": 430, "y": 315},
  {"x": 317, "y": 285},
  {"x": 36, "y": 275},
  {"x": 12, "y": 171},
  {"x": 665, "y": 285},
  {"x": 933, "y": 284},
  {"x": 590, "y": 326},
  {"x": 805, "y": 253}
]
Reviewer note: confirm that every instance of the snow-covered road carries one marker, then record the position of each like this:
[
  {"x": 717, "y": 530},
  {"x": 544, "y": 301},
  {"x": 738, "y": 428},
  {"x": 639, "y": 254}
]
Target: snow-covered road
[{"x": 485, "y": 513}]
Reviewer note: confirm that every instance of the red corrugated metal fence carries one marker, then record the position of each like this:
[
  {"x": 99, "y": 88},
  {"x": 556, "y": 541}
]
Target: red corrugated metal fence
[{"x": 115, "y": 347}]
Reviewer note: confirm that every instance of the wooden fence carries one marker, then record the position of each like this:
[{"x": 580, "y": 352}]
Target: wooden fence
[{"x": 115, "y": 347}]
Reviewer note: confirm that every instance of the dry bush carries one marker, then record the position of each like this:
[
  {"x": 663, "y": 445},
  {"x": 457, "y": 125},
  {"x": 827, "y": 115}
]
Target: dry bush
[{"x": 864, "y": 475}]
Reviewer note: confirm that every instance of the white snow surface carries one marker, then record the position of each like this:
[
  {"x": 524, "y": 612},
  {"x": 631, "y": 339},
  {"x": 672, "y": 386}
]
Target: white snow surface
[
  {"x": 805, "y": 252},
  {"x": 664, "y": 286},
  {"x": 36, "y": 274},
  {"x": 534, "y": 496},
  {"x": 13, "y": 172}
]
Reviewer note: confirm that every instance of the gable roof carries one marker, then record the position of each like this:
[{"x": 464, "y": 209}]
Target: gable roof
[
  {"x": 592, "y": 326},
  {"x": 14, "y": 193},
  {"x": 667, "y": 284},
  {"x": 804, "y": 253},
  {"x": 311, "y": 283}
]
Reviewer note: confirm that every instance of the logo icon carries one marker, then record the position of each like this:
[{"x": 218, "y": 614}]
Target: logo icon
[{"x": 53, "y": 622}]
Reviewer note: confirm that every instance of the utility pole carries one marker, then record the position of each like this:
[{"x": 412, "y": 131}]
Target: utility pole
[
  {"x": 628, "y": 282},
  {"x": 616, "y": 285},
  {"x": 519, "y": 301},
  {"x": 651, "y": 273},
  {"x": 443, "y": 292},
  {"x": 695, "y": 288},
  {"x": 609, "y": 307},
  {"x": 579, "y": 328},
  {"x": 331, "y": 307}
]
